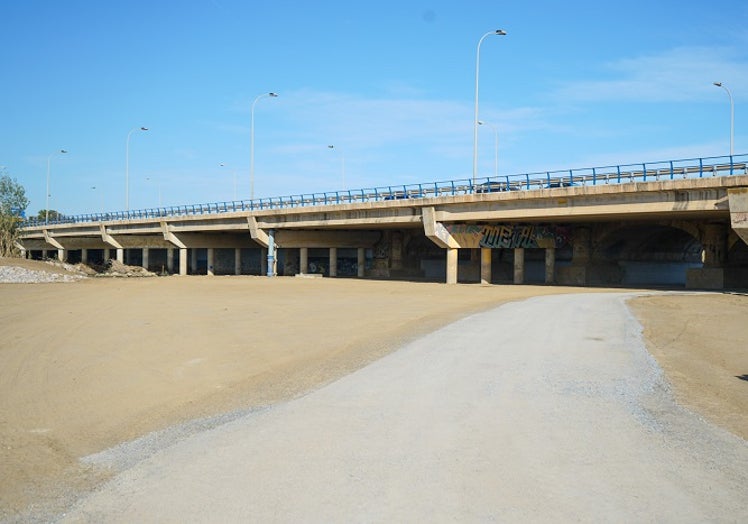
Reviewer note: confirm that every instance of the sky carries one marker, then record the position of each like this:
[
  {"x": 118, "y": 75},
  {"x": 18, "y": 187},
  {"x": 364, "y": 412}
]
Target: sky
[{"x": 389, "y": 84}]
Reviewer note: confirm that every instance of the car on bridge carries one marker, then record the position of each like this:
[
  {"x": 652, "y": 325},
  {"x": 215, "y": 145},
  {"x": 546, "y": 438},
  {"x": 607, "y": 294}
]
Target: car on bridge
[{"x": 493, "y": 187}]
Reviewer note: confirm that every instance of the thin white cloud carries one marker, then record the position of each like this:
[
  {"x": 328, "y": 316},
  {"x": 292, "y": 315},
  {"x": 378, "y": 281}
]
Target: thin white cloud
[{"x": 676, "y": 75}]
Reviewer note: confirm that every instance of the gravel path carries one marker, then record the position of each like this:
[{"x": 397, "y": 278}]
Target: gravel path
[{"x": 537, "y": 411}]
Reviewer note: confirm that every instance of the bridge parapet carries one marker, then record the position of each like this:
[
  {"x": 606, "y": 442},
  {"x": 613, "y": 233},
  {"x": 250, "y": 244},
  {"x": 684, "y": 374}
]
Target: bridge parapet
[{"x": 698, "y": 168}]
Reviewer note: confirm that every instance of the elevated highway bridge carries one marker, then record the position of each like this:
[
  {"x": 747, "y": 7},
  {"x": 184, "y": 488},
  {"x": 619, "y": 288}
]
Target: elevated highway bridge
[{"x": 674, "y": 222}]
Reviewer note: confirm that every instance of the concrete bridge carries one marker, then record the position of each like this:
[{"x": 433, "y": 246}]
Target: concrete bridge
[{"x": 677, "y": 222}]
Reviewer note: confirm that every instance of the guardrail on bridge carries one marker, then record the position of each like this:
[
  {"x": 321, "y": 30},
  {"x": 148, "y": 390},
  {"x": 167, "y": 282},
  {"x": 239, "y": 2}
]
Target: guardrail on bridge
[{"x": 617, "y": 174}]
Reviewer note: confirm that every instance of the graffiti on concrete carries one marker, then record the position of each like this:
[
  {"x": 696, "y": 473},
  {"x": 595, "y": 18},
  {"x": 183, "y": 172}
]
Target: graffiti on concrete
[{"x": 509, "y": 236}]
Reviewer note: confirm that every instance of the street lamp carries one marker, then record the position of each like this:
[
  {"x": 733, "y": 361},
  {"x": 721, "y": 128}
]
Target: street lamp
[
  {"x": 732, "y": 115},
  {"x": 49, "y": 160},
  {"x": 127, "y": 167},
  {"x": 499, "y": 32},
  {"x": 252, "y": 144},
  {"x": 496, "y": 145},
  {"x": 342, "y": 164}
]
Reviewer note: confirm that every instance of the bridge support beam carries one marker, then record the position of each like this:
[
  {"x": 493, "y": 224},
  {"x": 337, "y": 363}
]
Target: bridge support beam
[
  {"x": 361, "y": 262},
  {"x": 211, "y": 261},
  {"x": 303, "y": 260},
  {"x": 485, "y": 265},
  {"x": 333, "y": 272},
  {"x": 237, "y": 261},
  {"x": 452, "y": 264},
  {"x": 121, "y": 255},
  {"x": 550, "y": 265},
  {"x": 146, "y": 257},
  {"x": 519, "y": 265},
  {"x": 84, "y": 256},
  {"x": 61, "y": 252},
  {"x": 581, "y": 245},
  {"x": 713, "y": 256},
  {"x": 170, "y": 260},
  {"x": 183, "y": 261},
  {"x": 257, "y": 234},
  {"x": 738, "y": 200}
]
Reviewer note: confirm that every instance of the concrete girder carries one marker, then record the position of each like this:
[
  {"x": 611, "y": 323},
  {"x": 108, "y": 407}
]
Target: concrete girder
[
  {"x": 109, "y": 239},
  {"x": 171, "y": 237},
  {"x": 738, "y": 198},
  {"x": 52, "y": 241},
  {"x": 257, "y": 234},
  {"x": 435, "y": 231}
]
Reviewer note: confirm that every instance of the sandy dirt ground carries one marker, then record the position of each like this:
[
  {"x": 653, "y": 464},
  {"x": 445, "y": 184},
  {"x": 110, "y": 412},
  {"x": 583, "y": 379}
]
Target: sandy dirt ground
[{"x": 87, "y": 365}]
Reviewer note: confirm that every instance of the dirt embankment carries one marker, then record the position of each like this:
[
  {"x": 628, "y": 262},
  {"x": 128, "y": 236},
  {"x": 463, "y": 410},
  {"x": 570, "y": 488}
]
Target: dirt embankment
[{"x": 90, "y": 364}]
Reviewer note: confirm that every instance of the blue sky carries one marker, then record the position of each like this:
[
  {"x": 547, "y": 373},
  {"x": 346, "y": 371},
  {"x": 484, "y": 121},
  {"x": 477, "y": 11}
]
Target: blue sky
[{"x": 390, "y": 84}]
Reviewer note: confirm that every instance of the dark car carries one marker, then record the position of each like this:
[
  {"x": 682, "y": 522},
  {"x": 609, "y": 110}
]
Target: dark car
[
  {"x": 560, "y": 183},
  {"x": 492, "y": 187}
]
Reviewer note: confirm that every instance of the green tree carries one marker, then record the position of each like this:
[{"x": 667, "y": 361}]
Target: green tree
[
  {"x": 13, "y": 204},
  {"x": 13, "y": 199},
  {"x": 53, "y": 215}
]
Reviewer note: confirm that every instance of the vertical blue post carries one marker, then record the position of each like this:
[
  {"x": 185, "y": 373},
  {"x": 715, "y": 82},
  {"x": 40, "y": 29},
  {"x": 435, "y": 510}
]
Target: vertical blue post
[{"x": 271, "y": 253}]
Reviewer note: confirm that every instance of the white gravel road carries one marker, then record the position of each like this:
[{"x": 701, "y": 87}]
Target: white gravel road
[{"x": 547, "y": 410}]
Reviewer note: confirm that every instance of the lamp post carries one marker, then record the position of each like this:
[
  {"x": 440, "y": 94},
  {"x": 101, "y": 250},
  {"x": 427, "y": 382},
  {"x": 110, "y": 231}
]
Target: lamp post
[
  {"x": 127, "y": 166},
  {"x": 496, "y": 145},
  {"x": 342, "y": 164},
  {"x": 499, "y": 32},
  {"x": 732, "y": 115},
  {"x": 49, "y": 160},
  {"x": 252, "y": 144}
]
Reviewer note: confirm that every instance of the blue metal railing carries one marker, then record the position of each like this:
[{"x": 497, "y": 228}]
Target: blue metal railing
[{"x": 616, "y": 174}]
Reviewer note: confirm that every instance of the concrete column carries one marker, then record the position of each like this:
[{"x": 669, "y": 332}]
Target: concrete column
[
  {"x": 211, "y": 259},
  {"x": 237, "y": 261},
  {"x": 519, "y": 265},
  {"x": 396, "y": 251},
  {"x": 62, "y": 255},
  {"x": 303, "y": 260},
  {"x": 485, "y": 265},
  {"x": 84, "y": 256},
  {"x": 714, "y": 244},
  {"x": 107, "y": 254},
  {"x": 193, "y": 260},
  {"x": 333, "y": 262},
  {"x": 120, "y": 255},
  {"x": 271, "y": 253},
  {"x": 581, "y": 246},
  {"x": 713, "y": 274},
  {"x": 44, "y": 254},
  {"x": 183, "y": 261},
  {"x": 146, "y": 258},
  {"x": 550, "y": 265},
  {"x": 576, "y": 274},
  {"x": 361, "y": 262},
  {"x": 170, "y": 260},
  {"x": 452, "y": 253}
]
